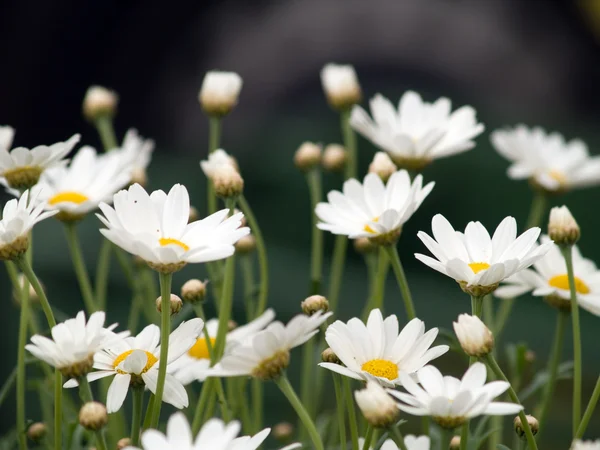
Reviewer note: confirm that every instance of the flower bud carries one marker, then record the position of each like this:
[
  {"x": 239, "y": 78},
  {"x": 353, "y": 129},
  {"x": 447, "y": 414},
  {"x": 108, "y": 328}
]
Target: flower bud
[
  {"x": 283, "y": 432},
  {"x": 123, "y": 442},
  {"x": 378, "y": 407},
  {"x": 93, "y": 416},
  {"x": 219, "y": 93},
  {"x": 193, "y": 290},
  {"x": 228, "y": 182},
  {"x": 176, "y": 304},
  {"x": 455, "y": 443},
  {"x": 334, "y": 158},
  {"x": 533, "y": 424},
  {"x": 382, "y": 166},
  {"x": 36, "y": 432},
  {"x": 313, "y": 304},
  {"x": 99, "y": 102},
  {"x": 341, "y": 87},
  {"x": 562, "y": 227},
  {"x": 245, "y": 245},
  {"x": 33, "y": 297},
  {"x": 194, "y": 214},
  {"x": 475, "y": 338},
  {"x": 364, "y": 245},
  {"x": 139, "y": 176},
  {"x": 329, "y": 356},
  {"x": 308, "y": 156}
]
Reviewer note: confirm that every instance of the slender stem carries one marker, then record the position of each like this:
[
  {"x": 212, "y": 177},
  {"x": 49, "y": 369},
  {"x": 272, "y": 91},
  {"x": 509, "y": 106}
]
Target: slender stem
[
  {"x": 79, "y": 266},
  {"x": 351, "y": 413},
  {"x": 85, "y": 391},
  {"x": 491, "y": 362},
  {"x": 165, "y": 331},
  {"x": 568, "y": 255},
  {"x": 58, "y": 382},
  {"x": 136, "y": 417},
  {"x": 587, "y": 415},
  {"x": 102, "y": 272},
  {"x": 106, "y": 131},
  {"x": 464, "y": 436},
  {"x": 378, "y": 289},
  {"x": 337, "y": 271},
  {"x": 307, "y": 385},
  {"x": 210, "y": 407},
  {"x": 339, "y": 398},
  {"x": 284, "y": 384},
  {"x": 37, "y": 287},
  {"x": 100, "y": 440},
  {"x": 349, "y": 143},
  {"x": 476, "y": 305},
  {"x": 552, "y": 370},
  {"x": 225, "y": 412},
  {"x": 398, "y": 438},
  {"x": 313, "y": 178},
  {"x": 245, "y": 418},
  {"x": 425, "y": 425},
  {"x": 409, "y": 306},
  {"x": 368, "y": 438},
  {"x": 214, "y": 138},
  {"x": 136, "y": 303},
  {"x": 148, "y": 416},
  {"x": 23, "y": 322},
  {"x": 247, "y": 269},
  {"x": 257, "y": 404},
  {"x": 504, "y": 311},
  {"x": 225, "y": 306},
  {"x": 537, "y": 209},
  {"x": 201, "y": 406}
]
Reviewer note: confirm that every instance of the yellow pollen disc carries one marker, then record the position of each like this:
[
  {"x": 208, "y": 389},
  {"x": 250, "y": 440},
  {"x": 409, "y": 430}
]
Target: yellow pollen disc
[
  {"x": 478, "y": 267},
  {"x": 562, "y": 282},
  {"x": 168, "y": 241},
  {"x": 200, "y": 350},
  {"x": 71, "y": 197},
  {"x": 368, "y": 229},
  {"x": 119, "y": 359},
  {"x": 558, "y": 176},
  {"x": 381, "y": 368}
]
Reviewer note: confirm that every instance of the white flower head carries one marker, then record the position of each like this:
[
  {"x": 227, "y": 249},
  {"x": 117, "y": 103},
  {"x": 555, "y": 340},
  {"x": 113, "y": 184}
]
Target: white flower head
[
  {"x": 18, "y": 218},
  {"x": 562, "y": 227},
  {"x": 418, "y": 132},
  {"x": 135, "y": 154},
  {"x": 216, "y": 160},
  {"x": 74, "y": 343},
  {"x": 219, "y": 92},
  {"x": 268, "y": 352},
  {"x": 547, "y": 159},
  {"x": 376, "y": 350},
  {"x": 450, "y": 401},
  {"x": 7, "y": 133},
  {"x": 379, "y": 409},
  {"x": 585, "y": 445},
  {"x": 99, "y": 101},
  {"x": 477, "y": 261},
  {"x": 341, "y": 86},
  {"x": 475, "y": 338},
  {"x": 155, "y": 228},
  {"x": 411, "y": 442},
  {"x": 373, "y": 209},
  {"x": 195, "y": 363}
]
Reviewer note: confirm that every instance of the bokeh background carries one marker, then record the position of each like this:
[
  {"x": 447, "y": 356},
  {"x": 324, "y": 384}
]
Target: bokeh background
[{"x": 535, "y": 62}]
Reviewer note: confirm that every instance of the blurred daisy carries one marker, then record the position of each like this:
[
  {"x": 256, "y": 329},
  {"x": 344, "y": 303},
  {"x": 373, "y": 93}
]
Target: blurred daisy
[
  {"x": 219, "y": 92},
  {"x": 418, "y": 132},
  {"x": 450, "y": 401},
  {"x": 585, "y": 445},
  {"x": 268, "y": 353},
  {"x": 373, "y": 209},
  {"x": 376, "y": 350},
  {"x": 134, "y": 361},
  {"x": 550, "y": 280},
  {"x": 546, "y": 159},
  {"x": 135, "y": 154},
  {"x": 155, "y": 228},
  {"x": 477, "y": 261},
  {"x": 216, "y": 160},
  {"x": 7, "y": 134},
  {"x": 74, "y": 343},
  {"x": 410, "y": 441},
  {"x": 194, "y": 364},
  {"x": 341, "y": 86}
]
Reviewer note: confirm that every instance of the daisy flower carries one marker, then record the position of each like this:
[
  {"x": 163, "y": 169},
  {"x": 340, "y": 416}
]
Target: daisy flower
[
  {"x": 341, "y": 86},
  {"x": 410, "y": 441},
  {"x": 155, "y": 228},
  {"x": 418, "y": 132},
  {"x": 476, "y": 261},
  {"x": 74, "y": 343},
  {"x": 376, "y": 405},
  {"x": 216, "y": 160},
  {"x": 219, "y": 92},
  {"x": 194, "y": 364},
  {"x": 376, "y": 350},
  {"x": 18, "y": 218},
  {"x": 268, "y": 352},
  {"x": 450, "y": 401},
  {"x": 547, "y": 159},
  {"x": 585, "y": 445},
  {"x": 21, "y": 168},
  {"x": 549, "y": 280},
  {"x": 134, "y": 361},
  {"x": 374, "y": 210}
]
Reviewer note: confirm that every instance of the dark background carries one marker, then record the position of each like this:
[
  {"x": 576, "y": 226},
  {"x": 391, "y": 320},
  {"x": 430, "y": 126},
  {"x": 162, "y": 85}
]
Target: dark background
[{"x": 515, "y": 61}]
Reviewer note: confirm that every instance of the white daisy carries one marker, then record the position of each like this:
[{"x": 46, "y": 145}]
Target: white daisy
[
  {"x": 546, "y": 159},
  {"x": 219, "y": 92},
  {"x": 341, "y": 86},
  {"x": 135, "y": 154},
  {"x": 550, "y": 280},
  {"x": 418, "y": 132},
  {"x": 155, "y": 227},
  {"x": 372, "y": 209},
  {"x": 194, "y": 364},
  {"x": 216, "y": 160},
  {"x": 377, "y": 351},
  {"x": 74, "y": 343},
  {"x": 450, "y": 401},
  {"x": 376, "y": 405},
  {"x": 18, "y": 218},
  {"x": 476, "y": 261},
  {"x": 135, "y": 361},
  {"x": 268, "y": 353},
  {"x": 412, "y": 443},
  {"x": 585, "y": 445}
]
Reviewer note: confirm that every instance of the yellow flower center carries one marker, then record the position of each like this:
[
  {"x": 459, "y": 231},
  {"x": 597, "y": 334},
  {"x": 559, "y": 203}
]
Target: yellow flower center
[
  {"x": 562, "y": 282},
  {"x": 200, "y": 350},
  {"x": 169, "y": 241},
  {"x": 381, "y": 368},
  {"x": 558, "y": 176},
  {"x": 119, "y": 359},
  {"x": 368, "y": 229},
  {"x": 477, "y": 267},
  {"x": 68, "y": 196}
]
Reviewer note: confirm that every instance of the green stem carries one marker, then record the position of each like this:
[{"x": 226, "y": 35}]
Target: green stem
[
  {"x": 225, "y": 306},
  {"x": 23, "y": 322},
  {"x": 476, "y": 305},
  {"x": 337, "y": 271},
  {"x": 491, "y": 362},
  {"x": 257, "y": 404},
  {"x": 165, "y": 331},
  {"x": 249, "y": 285},
  {"x": 85, "y": 391},
  {"x": 567, "y": 254},
  {"x": 136, "y": 303},
  {"x": 504, "y": 311},
  {"x": 79, "y": 266},
  {"x": 136, "y": 418},
  {"x": 284, "y": 384},
  {"x": 425, "y": 425},
  {"x": 214, "y": 138},
  {"x": 349, "y": 143},
  {"x": 245, "y": 418},
  {"x": 307, "y": 384},
  {"x": 148, "y": 416},
  {"x": 37, "y": 287},
  {"x": 100, "y": 440},
  {"x": 587, "y": 415},
  {"x": 207, "y": 390},
  {"x": 378, "y": 289},
  {"x": 313, "y": 178},
  {"x": 537, "y": 210},
  {"x": 398, "y": 438},
  {"x": 339, "y": 398},
  {"x": 58, "y": 382},
  {"x": 409, "y": 306},
  {"x": 464, "y": 436},
  {"x": 368, "y": 438},
  {"x": 102, "y": 272},
  {"x": 106, "y": 131},
  {"x": 351, "y": 412}
]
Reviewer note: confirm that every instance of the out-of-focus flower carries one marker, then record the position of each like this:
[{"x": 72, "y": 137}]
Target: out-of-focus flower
[
  {"x": 98, "y": 102},
  {"x": 219, "y": 93},
  {"x": 341, "y": 86}
]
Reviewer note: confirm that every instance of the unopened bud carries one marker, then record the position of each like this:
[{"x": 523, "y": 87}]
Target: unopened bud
[
  {"x": 378, "y": 407},
  {"x": 93, "y": 416},
  {"x": 475, "y": 338},
  {"x": 308, "y": 156},
  {"x": 334, "y": 158},
  {"x": 455, "y": 443},
  {"x": 219, "y": 93},
  {"x": 341, "y": 87},
  {"x": 313, "y": 304},
  {"x": 36, "y": 432},
  {"x": 193, "y": 290},
  {"x": 245, "y": 245},
  {"x": 33, "y": 297},
  {"x": 227, "y": 181},
  {"x": 139, "y": 176},
  {"x": 98, "y": 102},
  {"x": 364, "y": 245},
  {"x": 562, "y": 227},
  {"x": 533, "y": 424},
  {"x": 283, "y": 432},
  {"x": 382, "y": 166},
  {"x": 194, "y": 214},
  {"x": 123, "y": 442},
  {"x": 176, "y": 304},
  {"x": 329, "y": 356}
]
